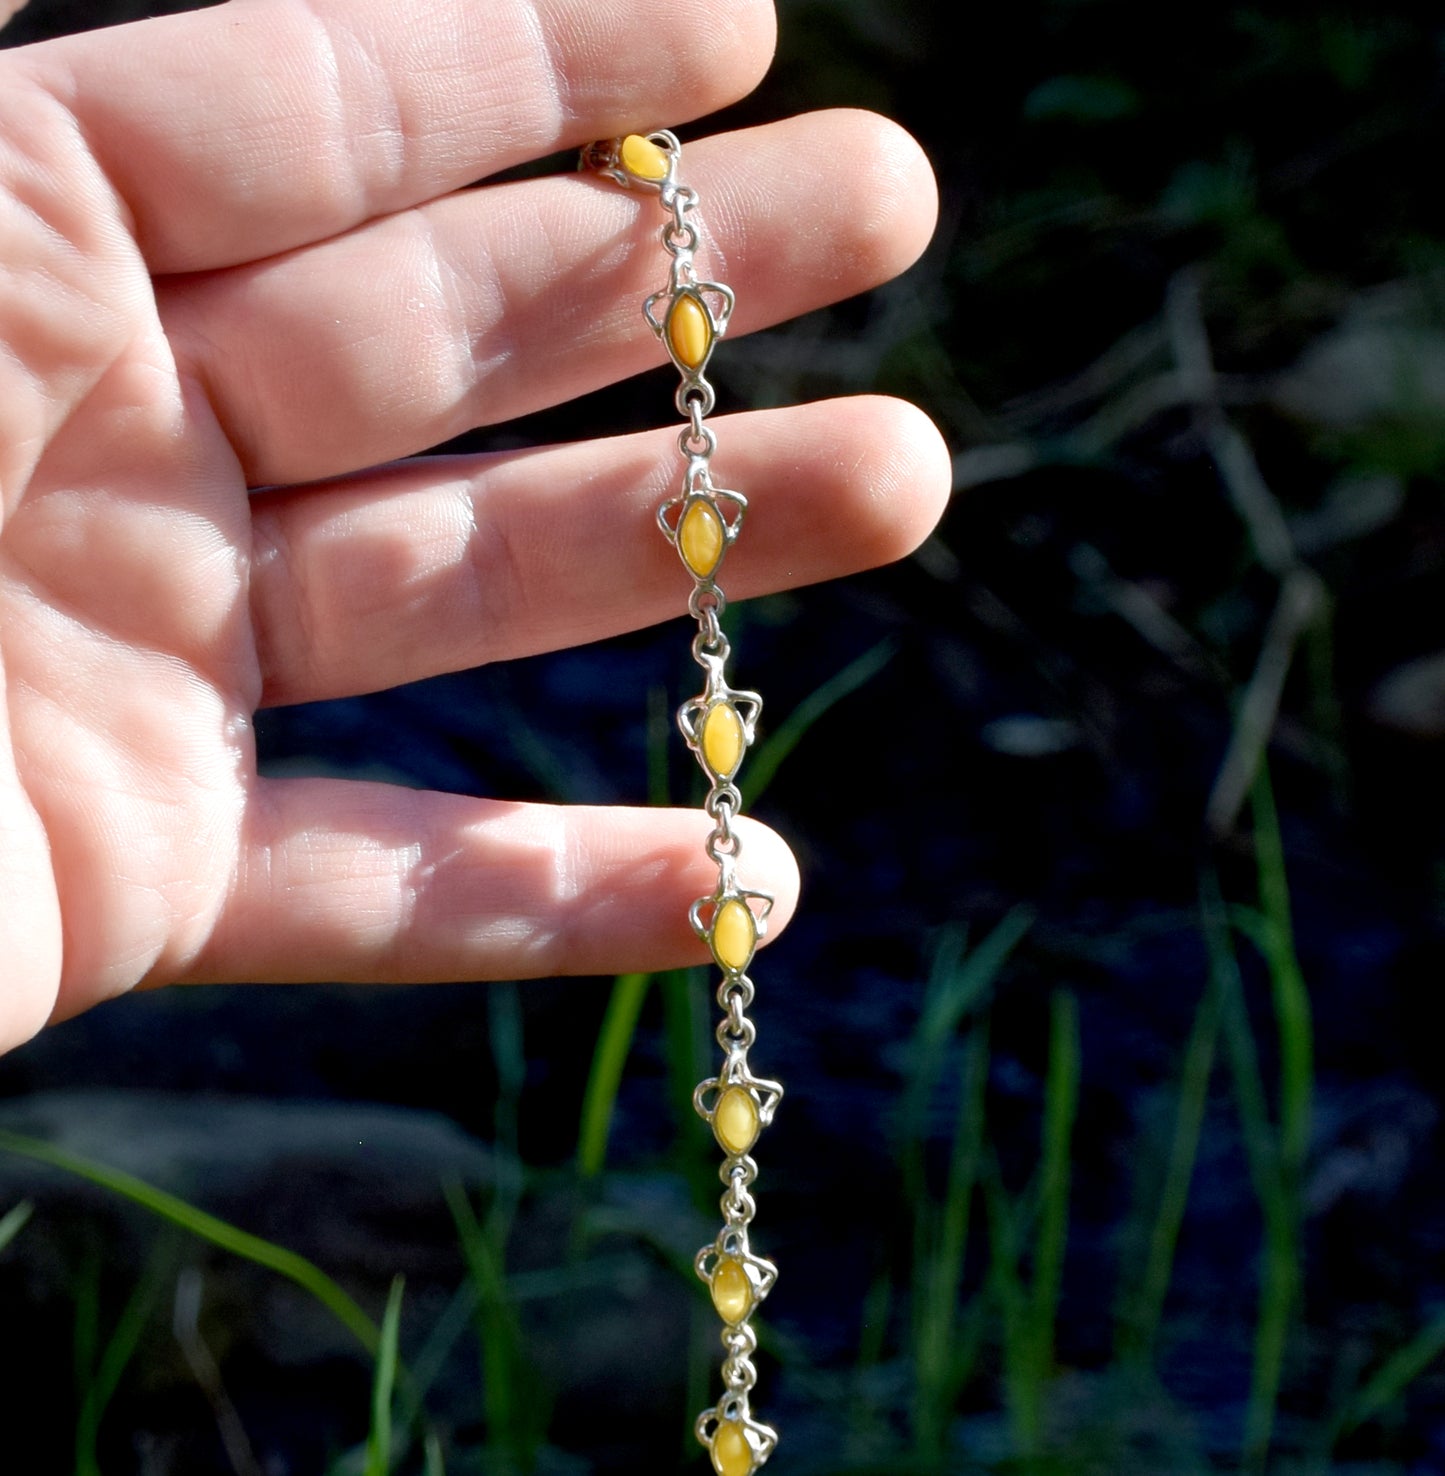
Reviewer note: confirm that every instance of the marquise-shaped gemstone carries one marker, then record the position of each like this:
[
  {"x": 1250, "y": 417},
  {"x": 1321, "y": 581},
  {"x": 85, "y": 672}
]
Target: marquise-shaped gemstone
[
  {"x": 700, "y": 538},
  {"x": 732, "y": 1290},
  {"x": 723, "y": 740},
  {"x": 734, "y": 935},
  {"x": 732, "y": 1451},
  {"x": 736, "y": 1121},
  {"x": 689, "y": 330},
  {"x": 642, "y": 158}
]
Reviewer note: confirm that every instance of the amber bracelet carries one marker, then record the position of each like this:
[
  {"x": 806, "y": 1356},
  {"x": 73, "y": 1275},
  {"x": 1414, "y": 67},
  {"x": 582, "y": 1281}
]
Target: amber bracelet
[{"x": 702, "y": 521}]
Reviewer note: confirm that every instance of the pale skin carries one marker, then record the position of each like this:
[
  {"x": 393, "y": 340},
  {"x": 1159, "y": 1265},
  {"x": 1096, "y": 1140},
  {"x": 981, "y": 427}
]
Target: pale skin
[{"x": 237, "y": 252}]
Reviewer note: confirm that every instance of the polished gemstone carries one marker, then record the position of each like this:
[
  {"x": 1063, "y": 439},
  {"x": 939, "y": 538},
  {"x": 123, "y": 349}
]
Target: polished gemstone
[
  {"x": 723, "y": 740},
  {"x": 689, "y": 330},
  {"x": 735, "y": 1121},
  {"x": 643, "y": 159},
  {"x": 732, "y": 1451},
  {"x": 734, "y": 935},
  {"x": 732, "y": 1290},
  {"x": 700, "y": 537}
]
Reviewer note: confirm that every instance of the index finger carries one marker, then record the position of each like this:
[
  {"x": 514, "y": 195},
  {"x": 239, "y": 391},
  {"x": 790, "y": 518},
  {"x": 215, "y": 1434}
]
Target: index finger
[{"x": 240, "y": 131}]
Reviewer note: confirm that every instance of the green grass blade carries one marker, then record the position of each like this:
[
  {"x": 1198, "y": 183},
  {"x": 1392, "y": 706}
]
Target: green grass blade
[
  {"x": 207, "y": 1227},
  {"x": 383, "y": 1385},
  {"x": 114, "y": 1359},
  {"x": 1021, "y": 1393},
  {"x": 1143, "y": 1307},
  {"x": 942, "y": 1250},
  {"x": 15, "y": 1221},
  {"x": 769, "y": 755},
  {"x": 1061, "y": 1109},
  {"x": 432, "y": 1454},
  {"x": 1390, "y": 1380},
  {"x": 609, "y": 1056},
  {"x": 1293, "y": 1015},
  {"x": 960, "y": 982},
  {"x": 1279, "y": 1266},
  {"x": 509, "y": 1389}
]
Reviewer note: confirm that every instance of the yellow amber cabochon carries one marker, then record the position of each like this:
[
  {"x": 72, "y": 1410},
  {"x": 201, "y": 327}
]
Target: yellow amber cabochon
[
  {"x": 723, "y": 739},
  {"x": 700, "y": 537},
  {"x": 734, "y": 935},
  {"x": 732, "y": 1451},
  {"x": 642, "y": 158},
  {"x": 732, "y": 1290},
  {"x": 736, "y": 1122},
  {"x": 689, "y": 330}
]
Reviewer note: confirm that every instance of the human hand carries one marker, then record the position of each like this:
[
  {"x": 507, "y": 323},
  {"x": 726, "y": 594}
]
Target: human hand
[{"x": 231, "y": 256}]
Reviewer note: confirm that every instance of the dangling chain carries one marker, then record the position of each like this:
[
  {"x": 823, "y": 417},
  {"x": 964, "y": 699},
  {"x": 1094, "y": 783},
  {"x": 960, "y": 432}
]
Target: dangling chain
[{"x": 701, "y": 522}]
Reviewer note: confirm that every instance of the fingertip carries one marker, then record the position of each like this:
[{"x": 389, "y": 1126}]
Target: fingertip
[
  {"x": 908, "y": 479},
  {"x": 718, "y": 58},
  {"x": 753, "y": 39},
  {"x": 885, "y": 481},
  {"x": 894, "y": 193},
  {"x": 768, "y": 865}
]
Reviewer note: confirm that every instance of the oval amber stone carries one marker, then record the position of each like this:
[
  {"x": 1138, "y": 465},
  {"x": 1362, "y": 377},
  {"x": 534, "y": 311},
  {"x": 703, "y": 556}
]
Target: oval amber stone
[
  {"x": 734, "y": 935},
  {"x": 732, "y": 1290},
  {"x": 689, "y": 330},
  {"x": 723, "y": 740},
  {"x": 700, "y": 538},
  {"x": 735, "y": 1121},
  {"x": 643, "y": 159},
  {"x": 732, "y": 1451}
]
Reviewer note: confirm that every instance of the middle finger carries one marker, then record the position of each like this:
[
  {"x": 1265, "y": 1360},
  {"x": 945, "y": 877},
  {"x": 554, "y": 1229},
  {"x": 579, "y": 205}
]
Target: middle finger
[{"x": 489, "y": 304}]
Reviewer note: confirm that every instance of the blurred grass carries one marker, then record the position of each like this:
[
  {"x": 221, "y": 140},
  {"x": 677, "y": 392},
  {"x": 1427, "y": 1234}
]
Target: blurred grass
[
  {"x": 614, "y": 1041},
  {"x": 14, "y": 1221},
  {"x": 99, "y": 1369},
  {"x": 174, "y": 1210},
  {"x": 378, "y": 1440}
]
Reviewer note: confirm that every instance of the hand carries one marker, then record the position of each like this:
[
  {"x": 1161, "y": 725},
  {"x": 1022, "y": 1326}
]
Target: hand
[{"x": 232, "y": 255}]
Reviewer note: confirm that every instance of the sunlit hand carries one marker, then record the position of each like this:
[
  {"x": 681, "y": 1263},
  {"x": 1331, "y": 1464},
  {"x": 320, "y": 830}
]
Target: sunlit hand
[{"x": 231, "y": 257}]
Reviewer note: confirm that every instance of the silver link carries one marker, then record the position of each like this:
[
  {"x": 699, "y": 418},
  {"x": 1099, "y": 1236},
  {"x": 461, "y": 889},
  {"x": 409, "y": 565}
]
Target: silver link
[
  {"x": 742, "y": 1041},
  {"x": 738, "y": 1022},
  {"x": 741, "y": 986},
  {"x": 739, "y": 1374},
  {"x": 722, "y": 848},
  {"x": 706, "y": 443},
  {"x": 710, "y": 647}
]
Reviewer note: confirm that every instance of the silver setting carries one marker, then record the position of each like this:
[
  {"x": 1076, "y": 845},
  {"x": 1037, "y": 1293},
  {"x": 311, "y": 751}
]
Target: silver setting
[
  {"x": 605, "y": 158},
  {"x": 698, "y": 489},
  {"x": 693, "y": 715},
  {"x": 703, "y": 914},
  {"x": 694, "y": 386},
  {"x": 732, "y": 1245},
  {"x": 733, "y": 1407},
  {"x": 765, "y": 1094}
]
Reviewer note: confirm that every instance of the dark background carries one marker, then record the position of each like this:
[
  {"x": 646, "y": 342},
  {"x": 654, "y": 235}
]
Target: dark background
[{"x": 1182, "y": 325}]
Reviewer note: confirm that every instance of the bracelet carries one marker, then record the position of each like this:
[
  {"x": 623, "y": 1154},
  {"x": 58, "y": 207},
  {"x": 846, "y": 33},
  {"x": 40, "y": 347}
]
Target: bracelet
[{"x": 702, "y": 521}]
